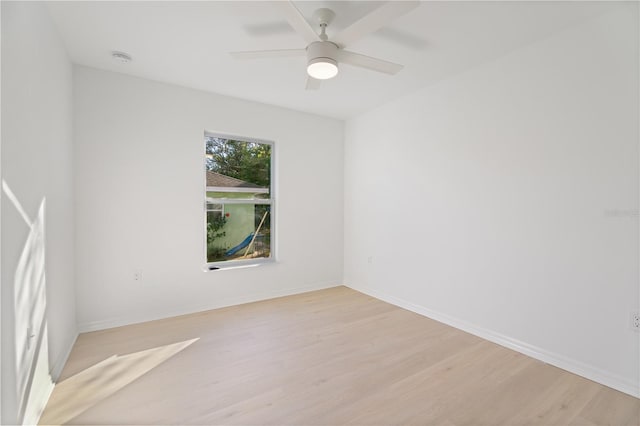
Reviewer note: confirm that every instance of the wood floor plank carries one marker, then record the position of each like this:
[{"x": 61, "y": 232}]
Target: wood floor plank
[
  {"x": 612, "y": 408},
  {"x": 329, "y": 357},
  {"x": 560, "y": 404}
]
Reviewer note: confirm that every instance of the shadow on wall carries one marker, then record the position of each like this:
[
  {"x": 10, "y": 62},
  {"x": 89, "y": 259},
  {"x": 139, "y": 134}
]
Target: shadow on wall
[{"x": 29, "y": 334}]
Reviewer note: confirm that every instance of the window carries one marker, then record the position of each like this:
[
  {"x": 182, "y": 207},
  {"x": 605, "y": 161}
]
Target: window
[
  {"x": 238, "y": 199},
  {"x": 214, "y": 210}
]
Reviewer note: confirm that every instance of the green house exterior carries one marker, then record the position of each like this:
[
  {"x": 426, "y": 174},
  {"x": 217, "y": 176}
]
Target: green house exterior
[{"x": 240, "y": 218}]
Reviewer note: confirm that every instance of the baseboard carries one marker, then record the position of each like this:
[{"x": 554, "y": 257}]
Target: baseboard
[
  {"x": 59, "y": 363},
  {"x": 255, "y": 297},
  {"x": 590, "y": 372},
  {"x": 44, "y": 400},
  {"x": 54, "y": 372}
]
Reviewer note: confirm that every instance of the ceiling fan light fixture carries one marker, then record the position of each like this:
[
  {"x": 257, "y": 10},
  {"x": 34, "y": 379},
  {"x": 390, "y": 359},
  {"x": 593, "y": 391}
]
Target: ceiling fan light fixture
[
  {"x": 322, "y": 68},
  {"x": 323, "y": 54},
  {"x": 321, "y": 64}
]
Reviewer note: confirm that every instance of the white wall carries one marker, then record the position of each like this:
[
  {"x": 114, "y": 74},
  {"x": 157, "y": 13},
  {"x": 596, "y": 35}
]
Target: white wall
[
  {"x": 37, "y": 269},
  {"x": 505, "y": 200},
  {"x": 139, "y": 191}
]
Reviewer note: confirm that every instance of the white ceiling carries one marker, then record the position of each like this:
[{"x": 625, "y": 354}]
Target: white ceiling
[{"x": 186, "y": 43}]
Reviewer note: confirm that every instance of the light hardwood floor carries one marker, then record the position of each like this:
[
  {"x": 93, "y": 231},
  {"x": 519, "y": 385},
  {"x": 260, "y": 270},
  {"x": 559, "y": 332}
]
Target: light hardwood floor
[{"x": 329, "y": 357}]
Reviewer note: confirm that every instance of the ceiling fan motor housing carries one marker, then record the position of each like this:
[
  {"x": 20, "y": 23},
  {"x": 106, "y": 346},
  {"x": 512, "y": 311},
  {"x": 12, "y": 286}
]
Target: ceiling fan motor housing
[{"x": 322, "y": 50}]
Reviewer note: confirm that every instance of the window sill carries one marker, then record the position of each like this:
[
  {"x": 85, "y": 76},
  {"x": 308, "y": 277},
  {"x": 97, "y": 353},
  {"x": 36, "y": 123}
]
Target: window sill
[{"x": 236, "y": 264}]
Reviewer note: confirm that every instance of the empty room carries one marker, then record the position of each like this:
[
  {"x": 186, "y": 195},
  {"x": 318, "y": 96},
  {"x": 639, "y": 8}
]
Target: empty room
[{"x": 320, "y": 213}]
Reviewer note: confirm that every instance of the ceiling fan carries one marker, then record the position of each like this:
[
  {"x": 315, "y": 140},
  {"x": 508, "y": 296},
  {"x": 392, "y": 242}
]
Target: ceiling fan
[{"x": 324, "y": 55}]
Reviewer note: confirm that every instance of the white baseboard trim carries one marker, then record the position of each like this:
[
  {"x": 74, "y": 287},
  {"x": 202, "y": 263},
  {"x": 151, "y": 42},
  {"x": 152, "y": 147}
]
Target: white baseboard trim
[
  {"x": 54, "y": 372},
  {"x": 44, "y": 400},
  {"x": 590, "y": 372},
  {"x": 255, "y": 297},
  {"x": 59, "y": 363}
]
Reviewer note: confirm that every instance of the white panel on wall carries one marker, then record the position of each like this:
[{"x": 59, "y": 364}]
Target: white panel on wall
[
  {"x": 505, "y": 199},
  {"x": 139, "y": 162}
]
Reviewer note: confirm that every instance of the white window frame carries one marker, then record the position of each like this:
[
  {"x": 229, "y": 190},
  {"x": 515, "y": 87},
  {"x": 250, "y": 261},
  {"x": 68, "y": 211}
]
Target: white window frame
[
  {"x": 232, "y": 264},
  {"x": 213, "y": 201}
]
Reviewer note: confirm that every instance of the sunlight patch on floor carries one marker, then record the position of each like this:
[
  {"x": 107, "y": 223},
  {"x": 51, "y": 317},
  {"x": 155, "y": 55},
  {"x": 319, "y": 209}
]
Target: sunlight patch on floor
[{"x": 80, "y": 392}]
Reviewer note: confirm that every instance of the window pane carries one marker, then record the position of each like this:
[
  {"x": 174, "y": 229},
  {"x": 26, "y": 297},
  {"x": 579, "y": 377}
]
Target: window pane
[
  {"x": 237, "y": 169},
  {"x": 244, "y": 232},
  {"x": 238, "y": 175},
  {"x": 214, "y": 207}
]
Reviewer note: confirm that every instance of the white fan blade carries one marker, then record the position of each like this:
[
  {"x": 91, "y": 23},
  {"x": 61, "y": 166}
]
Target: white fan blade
[
  {"x": 297, "y": 21},
  {"x": 259, "y": 54},
  {"x": 268, "y": 29},
  {"x": 373, "y": 21},
  {"x": 368, "y": 62},
  {"x": 313, "y": 83}
]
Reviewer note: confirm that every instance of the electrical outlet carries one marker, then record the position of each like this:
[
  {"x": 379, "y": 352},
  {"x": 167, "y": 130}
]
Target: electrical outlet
[
  {"x": 370, "y": 259},
  {"x": 635, "y": 321},
  {"x": 137, "y": 275}
]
